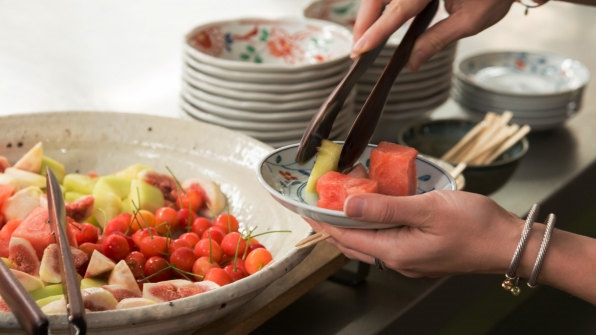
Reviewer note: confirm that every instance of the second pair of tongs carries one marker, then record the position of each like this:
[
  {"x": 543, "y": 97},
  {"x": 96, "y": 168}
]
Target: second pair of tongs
[
  {"x": 368, "y": 117},
  {"x": 70, "y": 282}
]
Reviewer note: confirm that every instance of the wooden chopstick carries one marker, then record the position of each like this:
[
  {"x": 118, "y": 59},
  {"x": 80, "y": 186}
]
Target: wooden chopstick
[
  {"x": 312, "y": 239},
  {"x": 486, "y": 141}
]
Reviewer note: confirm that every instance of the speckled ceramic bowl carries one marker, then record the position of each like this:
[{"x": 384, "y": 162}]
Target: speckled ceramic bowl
[
  {"x": 435, "y": 137},
  {"x": 286, "y": 180},
  {"x": 106, "y": 142}
]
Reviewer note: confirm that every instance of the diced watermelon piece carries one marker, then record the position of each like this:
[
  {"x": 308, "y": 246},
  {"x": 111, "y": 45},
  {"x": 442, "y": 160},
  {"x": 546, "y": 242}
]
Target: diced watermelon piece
[
  {"x": 6, "y": 191},
  {"x": 5, "y": 234},
  {"x": 36, "y": 230},
  {"x": 334, "y": 187},
  {"x": 393, "y": 166}
]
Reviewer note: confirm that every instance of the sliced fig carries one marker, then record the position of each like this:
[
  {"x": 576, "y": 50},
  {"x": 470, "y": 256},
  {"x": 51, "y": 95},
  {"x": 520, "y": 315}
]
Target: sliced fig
[
  {"x": 134, "y": 302},
  {"x": 215, "y": 200},
  {"x": 120, "y": 292},
  {"x": 31, "y": 160},
  {"x": 55, "y": 306},
  {"x": 98, "y": 299},
  {"x": 21, "y": 203},
  {"x": 98, "y": 265},
  {"x": 29, "y": 282},
  {"x": 80, "y": 209},
  {"x": 23, "y": 256},
  {"x": 122, "y": 276},
  {"x": 49, "y": 268},
  {"x": 170, "y": 290},
  {"x": 164, "y": 182}
]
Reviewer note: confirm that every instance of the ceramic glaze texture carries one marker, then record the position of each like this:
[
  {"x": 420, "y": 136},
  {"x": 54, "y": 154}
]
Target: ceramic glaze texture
[
  {"x": 282, "y": 43},
  {"x": 107, "y": 142},
  {"x": 265, "y": 78},
  {"x": 525, "y": 73},
  {"x": 541, "y": 89},
  {"x": 286, "y": 181}
]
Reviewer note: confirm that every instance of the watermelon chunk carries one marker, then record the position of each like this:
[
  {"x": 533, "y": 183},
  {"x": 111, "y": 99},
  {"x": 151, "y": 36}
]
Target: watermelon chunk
[
  {"x": 5, "y": 234},
  {"x": 334, "y": 187},
  {"x": 35, "y": 229},
  {"x": 393, "y": 166}
]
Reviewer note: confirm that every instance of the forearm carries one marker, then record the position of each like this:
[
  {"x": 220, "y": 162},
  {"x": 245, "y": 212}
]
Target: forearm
[{"x": 569, "y": 264}]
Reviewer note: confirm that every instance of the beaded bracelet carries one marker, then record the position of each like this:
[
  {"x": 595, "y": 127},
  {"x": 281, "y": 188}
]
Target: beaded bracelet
[{"x": 511, "y": 282}]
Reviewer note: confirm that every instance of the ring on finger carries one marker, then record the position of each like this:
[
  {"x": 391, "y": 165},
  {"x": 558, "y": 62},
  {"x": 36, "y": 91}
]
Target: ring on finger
[{"x": 380, "y": 264}]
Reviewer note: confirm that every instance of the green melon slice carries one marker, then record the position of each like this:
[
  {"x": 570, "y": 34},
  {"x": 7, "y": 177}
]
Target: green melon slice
[{"x": 327, "y": 159}]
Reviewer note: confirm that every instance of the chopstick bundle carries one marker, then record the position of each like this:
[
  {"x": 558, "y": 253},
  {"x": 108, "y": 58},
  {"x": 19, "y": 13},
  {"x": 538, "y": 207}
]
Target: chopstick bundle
[{"x": 487, "y": 140}]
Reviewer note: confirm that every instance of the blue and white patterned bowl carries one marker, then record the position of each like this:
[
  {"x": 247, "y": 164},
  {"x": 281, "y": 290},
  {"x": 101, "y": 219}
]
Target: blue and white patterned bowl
[
  {"x": 286, "y": 180},
  {"x": 541, "y": 89}
]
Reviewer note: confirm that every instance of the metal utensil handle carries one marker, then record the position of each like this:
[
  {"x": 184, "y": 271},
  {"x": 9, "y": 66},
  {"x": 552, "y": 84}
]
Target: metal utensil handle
[
  {"x": 25, "y": 309},
  {"x": 366, "y": 121},
  {"x": 57, "y": 215}
]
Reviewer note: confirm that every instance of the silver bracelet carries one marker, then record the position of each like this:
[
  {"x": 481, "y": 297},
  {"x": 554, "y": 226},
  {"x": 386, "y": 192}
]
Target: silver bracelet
[
  {"x": 511, "y": 282},
  {"x": 550, "y": 225}
]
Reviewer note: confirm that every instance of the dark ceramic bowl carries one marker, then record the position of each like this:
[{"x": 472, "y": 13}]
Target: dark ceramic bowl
[{"x": 436, "y": 137}]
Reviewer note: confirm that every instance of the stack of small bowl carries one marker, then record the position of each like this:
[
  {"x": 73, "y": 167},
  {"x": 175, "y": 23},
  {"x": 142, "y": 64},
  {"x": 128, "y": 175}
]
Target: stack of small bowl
[
  {"x": 265, "y": 78},
  {"x": 541, "y": 89},
  {"x": 414, "y": 95}
]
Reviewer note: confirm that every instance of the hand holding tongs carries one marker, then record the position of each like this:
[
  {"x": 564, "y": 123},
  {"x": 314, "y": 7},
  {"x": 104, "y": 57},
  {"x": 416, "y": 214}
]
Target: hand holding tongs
[
  {"x": 70, "y": 282},
  {"x": 368, "y": 117}
]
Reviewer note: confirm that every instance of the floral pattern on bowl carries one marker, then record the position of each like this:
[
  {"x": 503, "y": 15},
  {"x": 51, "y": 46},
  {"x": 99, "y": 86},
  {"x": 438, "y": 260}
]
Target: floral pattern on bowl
[
  {"x": 281, "y": 43},
  {"x": 286, "y": 181}
]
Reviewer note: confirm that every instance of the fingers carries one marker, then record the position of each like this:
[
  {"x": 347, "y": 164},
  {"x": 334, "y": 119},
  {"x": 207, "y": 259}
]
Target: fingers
[
  {"x": 368, "y": 12},
  {"x": 375, "y": 24},
  {"x": 398, "y": 211}
]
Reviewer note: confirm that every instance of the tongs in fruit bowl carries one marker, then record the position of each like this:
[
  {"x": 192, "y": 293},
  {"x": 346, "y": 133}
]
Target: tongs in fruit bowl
[
  {"x": 368, "y": 117},
  {"x": 70, "y": 282},
  {"x": 25, "y": 309}
]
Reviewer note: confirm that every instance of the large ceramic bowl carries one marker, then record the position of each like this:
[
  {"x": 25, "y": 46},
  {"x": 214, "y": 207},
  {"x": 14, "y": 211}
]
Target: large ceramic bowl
[
  {"x": 286, "y": 180},
  {"x": 435, "y": 137},
  {"x": 257, "y": 45},
  {"x": 106, "y": 142}
]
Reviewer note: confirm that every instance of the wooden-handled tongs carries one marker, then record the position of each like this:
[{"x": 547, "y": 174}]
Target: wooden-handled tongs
[
  {"x": 68, "y": 272},
  {"x": 368, "y": 117}
]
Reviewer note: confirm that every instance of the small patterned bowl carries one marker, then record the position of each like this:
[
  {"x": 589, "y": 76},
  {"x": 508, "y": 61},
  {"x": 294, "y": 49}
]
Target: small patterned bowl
[
  {"x": 257, "y": 45},
  {"x": 285, "y": 180},
  {"x": 523, "y": 73}
]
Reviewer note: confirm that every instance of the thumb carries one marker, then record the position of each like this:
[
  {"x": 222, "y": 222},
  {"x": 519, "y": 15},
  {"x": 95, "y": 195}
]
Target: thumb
[{"x": 395, "y": 210}]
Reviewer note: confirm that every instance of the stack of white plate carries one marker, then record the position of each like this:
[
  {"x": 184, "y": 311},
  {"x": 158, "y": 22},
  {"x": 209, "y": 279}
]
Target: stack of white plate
[
  {"x": 541, "y": 89},
  {"x": 265, "y": 78},
  {"x": 414, "y": 95}
]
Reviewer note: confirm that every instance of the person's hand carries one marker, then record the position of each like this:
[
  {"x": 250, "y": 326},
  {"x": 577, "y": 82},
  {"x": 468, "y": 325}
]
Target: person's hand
[
  {"x": 441, "y": 233},
  {"x": 376, "y": 22}
]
